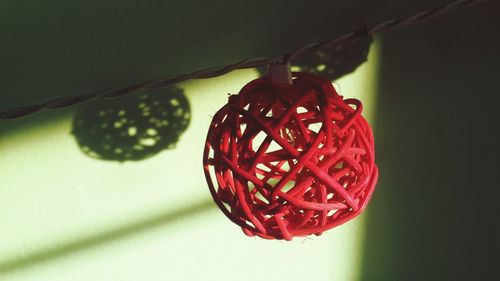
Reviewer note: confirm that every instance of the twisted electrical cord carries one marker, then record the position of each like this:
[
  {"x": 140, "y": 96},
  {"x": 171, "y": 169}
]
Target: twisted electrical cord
[{"x": 210, "y": 72}]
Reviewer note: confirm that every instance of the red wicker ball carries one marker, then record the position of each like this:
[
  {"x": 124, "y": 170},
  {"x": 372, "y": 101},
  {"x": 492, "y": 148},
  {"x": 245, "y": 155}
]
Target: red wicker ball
[{"x": 290, "y": 160}]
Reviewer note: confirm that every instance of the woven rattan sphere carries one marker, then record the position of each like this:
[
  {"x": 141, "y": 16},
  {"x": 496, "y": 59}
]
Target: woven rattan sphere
[{"x": 290, "y": 160}]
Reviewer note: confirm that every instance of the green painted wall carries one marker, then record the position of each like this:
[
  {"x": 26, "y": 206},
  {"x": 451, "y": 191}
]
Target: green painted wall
[{"x": 56, "y": 48}]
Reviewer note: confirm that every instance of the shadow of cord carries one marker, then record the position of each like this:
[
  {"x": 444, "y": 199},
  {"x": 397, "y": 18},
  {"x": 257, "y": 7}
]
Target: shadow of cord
[{"x": 96, "y": 240}]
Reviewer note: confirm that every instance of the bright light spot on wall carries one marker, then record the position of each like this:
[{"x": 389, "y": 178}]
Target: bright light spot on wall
[{"x": 67, "y": 216}]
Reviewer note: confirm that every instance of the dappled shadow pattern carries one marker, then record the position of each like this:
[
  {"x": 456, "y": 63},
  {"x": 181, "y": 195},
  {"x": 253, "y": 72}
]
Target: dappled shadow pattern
[
  {"x": 132, "y": 128},
  {"x": 332, "y": 63}
]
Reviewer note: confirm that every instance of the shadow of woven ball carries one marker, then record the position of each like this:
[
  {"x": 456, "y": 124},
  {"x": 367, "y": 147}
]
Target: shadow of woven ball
[
  {"x": 134, "y": 127},
  {"x": 334, "y": 62}
]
